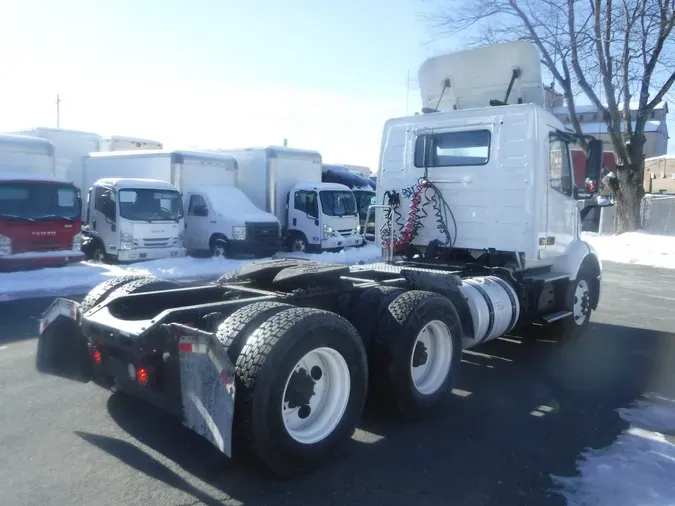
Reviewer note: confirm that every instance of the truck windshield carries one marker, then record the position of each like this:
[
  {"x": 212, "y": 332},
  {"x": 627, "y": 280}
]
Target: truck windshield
[
  {"x": 363, "y": 198},
  {"x": 144, "y": 204},
  {"x": 37, "y": 201},
  {"x": 338, "y": 203}
]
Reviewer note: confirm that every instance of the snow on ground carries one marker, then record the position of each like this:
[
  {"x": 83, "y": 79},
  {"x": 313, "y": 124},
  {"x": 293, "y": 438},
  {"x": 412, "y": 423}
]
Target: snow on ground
[
  {"x": 635, "y": 248},
  {"x": 80, "y": 278},
  {"x": 638, "y": 469}
]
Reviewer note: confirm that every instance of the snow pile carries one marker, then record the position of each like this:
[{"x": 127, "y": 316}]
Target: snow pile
[
  {"x": 637, "y": 469},
  {"x": 635, "y": 248},
  {"x": 80, "y": 278}
]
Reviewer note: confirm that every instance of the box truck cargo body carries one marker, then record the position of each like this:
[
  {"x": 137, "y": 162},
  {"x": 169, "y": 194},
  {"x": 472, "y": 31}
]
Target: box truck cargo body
[
  {"x": 39, "y": 213},
  {"x": 218, "y": 217}
]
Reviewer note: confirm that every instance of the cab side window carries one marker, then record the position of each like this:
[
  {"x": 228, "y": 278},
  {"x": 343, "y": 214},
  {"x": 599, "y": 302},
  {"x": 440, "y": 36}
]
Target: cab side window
[
  {"x": 559, "y": 168},
  {"x": 105, "y": 202},
  {"x": 305, "y": 201},
  {"x": 197, "y": 206}
]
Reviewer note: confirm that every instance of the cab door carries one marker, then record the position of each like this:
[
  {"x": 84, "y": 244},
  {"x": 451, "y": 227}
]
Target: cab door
[{"x": 561, "y": 207}]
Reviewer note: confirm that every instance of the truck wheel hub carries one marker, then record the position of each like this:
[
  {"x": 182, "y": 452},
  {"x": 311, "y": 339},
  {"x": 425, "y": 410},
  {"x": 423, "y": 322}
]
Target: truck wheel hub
[
  {"x": 431, "y": 358},
  {"x": 316, "y": 395},
  {"x": 582, "y": 302}
]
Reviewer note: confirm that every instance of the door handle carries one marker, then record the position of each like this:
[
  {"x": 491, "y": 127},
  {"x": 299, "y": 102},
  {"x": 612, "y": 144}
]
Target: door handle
[
  {"x": 93, "y": 224},
  {"x": 295, "y": 221}
]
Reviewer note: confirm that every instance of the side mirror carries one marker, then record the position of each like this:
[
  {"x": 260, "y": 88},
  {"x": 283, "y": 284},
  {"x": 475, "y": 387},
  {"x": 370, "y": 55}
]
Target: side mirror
[
  {"x": 200, "y": 210},
  {"x": 593, "y": 165}
]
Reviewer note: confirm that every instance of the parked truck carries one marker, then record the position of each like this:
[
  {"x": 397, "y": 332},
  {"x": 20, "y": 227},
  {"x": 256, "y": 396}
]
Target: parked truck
[
  {"x": 362, "y": 188},
  {"x": 39, "y": 213},
  {"x": 287, "y": 182},
  {"x": 219, "y": 218},
  {"x": 277, "y": 357}
]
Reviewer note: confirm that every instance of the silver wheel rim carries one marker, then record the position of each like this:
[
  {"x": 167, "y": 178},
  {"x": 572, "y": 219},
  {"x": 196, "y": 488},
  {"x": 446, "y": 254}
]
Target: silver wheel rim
[
  {"x": 431, "y": 358},
  {"x": 98, "y": 255},
  {"x": 219, "y": 250},
  {"x": 299, "y": 245},
  {"x": 582, "y": 299},
  {"x": 312, "y": 417}
]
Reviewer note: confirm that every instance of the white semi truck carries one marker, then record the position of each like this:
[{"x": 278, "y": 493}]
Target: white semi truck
[
  {"x": 279, "y": 355},
  {"x": 218, "y": 217},
  {"x": 314, "y": 216}
]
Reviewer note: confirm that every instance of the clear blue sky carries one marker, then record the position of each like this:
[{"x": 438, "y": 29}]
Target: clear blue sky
[{"x": 215, "y": 73}]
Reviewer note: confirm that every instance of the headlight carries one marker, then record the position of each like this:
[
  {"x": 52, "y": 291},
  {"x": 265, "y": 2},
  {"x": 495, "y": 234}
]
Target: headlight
[
  {"x": 5, "y": 245},
  {"x": 357, "y": 230},
  {"x": 77, "y": 242},
  {"x": 328, "y": 232},
  {"x": 126, "y": 240},
  {"x": 239, "y": 233}
]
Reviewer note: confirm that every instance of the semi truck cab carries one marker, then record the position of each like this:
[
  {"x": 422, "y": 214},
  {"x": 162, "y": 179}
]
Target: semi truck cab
[{"x": 133, "y": 219}]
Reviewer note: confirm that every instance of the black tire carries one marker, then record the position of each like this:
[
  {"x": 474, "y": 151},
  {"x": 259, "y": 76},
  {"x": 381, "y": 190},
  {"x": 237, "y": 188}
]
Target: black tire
[
  {"x": 102, "y": 290},
  {"x": 219, "y": 248},
  {"x": 264, "y": 366},
  {"x": 298, "y": 244},
  {"x": 236, "y": 328},
  {"x": 573, "y": 327},
  {"x": 395, "y": 345},
  {"x": 367, "y": 309},
  {"x": 144, "y": 285}
]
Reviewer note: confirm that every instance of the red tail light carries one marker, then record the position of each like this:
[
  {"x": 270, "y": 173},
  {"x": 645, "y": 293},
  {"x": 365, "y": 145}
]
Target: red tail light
[
  {"x": 142, "y": 376},
  {"x": 590, "y": 186},
  {"x": 96, "y": 355}
]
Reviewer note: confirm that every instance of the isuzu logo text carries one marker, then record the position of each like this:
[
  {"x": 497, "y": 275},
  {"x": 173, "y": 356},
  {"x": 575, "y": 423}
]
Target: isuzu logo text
[{"x": 45, "y": 233}]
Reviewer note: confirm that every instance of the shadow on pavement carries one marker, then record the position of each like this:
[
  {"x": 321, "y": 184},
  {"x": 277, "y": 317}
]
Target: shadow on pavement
[{"x": 522, "y": 410}]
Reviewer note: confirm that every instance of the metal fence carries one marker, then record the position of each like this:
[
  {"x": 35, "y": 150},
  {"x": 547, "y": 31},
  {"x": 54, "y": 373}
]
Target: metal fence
[{"x": 657, "y": 213}]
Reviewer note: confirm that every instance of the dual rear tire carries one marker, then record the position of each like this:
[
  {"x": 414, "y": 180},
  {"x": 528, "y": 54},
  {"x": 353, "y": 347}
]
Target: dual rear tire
[{"x": 302, "y": 374}]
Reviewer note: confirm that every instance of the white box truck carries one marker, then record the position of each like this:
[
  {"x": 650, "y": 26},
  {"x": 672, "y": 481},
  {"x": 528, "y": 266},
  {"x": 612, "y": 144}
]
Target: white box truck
[
  {"x": 125, "y": 143},
  {"x": 314, "y": 216},
  {"x": 219, "y": 218}
]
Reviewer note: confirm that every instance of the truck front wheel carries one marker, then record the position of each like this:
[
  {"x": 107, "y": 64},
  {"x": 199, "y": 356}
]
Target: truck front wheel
[
  {"x": 416, "y": 352},
  {"x": 301, "y": 388}
]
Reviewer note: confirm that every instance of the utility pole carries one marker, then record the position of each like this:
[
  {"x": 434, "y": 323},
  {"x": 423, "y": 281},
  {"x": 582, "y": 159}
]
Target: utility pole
[{"x": 58, "y": 111}]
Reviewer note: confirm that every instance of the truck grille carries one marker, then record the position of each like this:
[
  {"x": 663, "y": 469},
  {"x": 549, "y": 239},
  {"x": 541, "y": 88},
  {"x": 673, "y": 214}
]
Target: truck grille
[
  {"x": 54, "y": 245},
  {"x": 262, "y": 233},
  {"x": 345, "y": 232},
  {"x": 152, "y": 242}
]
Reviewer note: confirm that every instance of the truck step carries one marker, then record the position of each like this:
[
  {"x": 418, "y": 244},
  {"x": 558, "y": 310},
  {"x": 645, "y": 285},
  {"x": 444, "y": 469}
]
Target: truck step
[
  {"x": 554, "y": 317},
  {"x": 546, "y": 277}
]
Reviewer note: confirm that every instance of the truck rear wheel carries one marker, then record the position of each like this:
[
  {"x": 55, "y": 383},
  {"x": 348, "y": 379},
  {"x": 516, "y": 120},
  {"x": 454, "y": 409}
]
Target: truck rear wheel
[
  {"x": 99, "y": 293},
  {"x": 236, "y": 328},
  {"x": 416, "y": 352},
  {"x": 301, "y": 388},
  {"x": 366, "y": 310}
]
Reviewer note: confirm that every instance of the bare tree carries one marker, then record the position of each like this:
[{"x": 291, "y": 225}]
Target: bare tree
[{"x": 626, "y": 48}]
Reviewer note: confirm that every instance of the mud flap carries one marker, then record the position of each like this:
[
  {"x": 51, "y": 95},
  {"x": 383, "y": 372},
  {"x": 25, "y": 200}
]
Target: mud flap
[
  {"x": 62, "y": 348},
  {"x": 207, "y": 386}
]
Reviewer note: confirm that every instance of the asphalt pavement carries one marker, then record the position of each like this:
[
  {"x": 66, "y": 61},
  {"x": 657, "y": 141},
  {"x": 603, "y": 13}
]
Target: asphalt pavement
[{"x": 521, "y": 411}]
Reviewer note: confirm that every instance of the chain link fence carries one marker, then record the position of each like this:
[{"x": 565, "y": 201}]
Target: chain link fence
[{"x": 657, "y": 213}]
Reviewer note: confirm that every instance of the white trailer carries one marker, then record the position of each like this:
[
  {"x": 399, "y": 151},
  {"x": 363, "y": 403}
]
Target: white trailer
[
  {"x": 125, "y": 143},
  {"x": 219, "y": 218},
  {"x": 288, "y": 182},
  {"x": 304, "y": 342}
]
